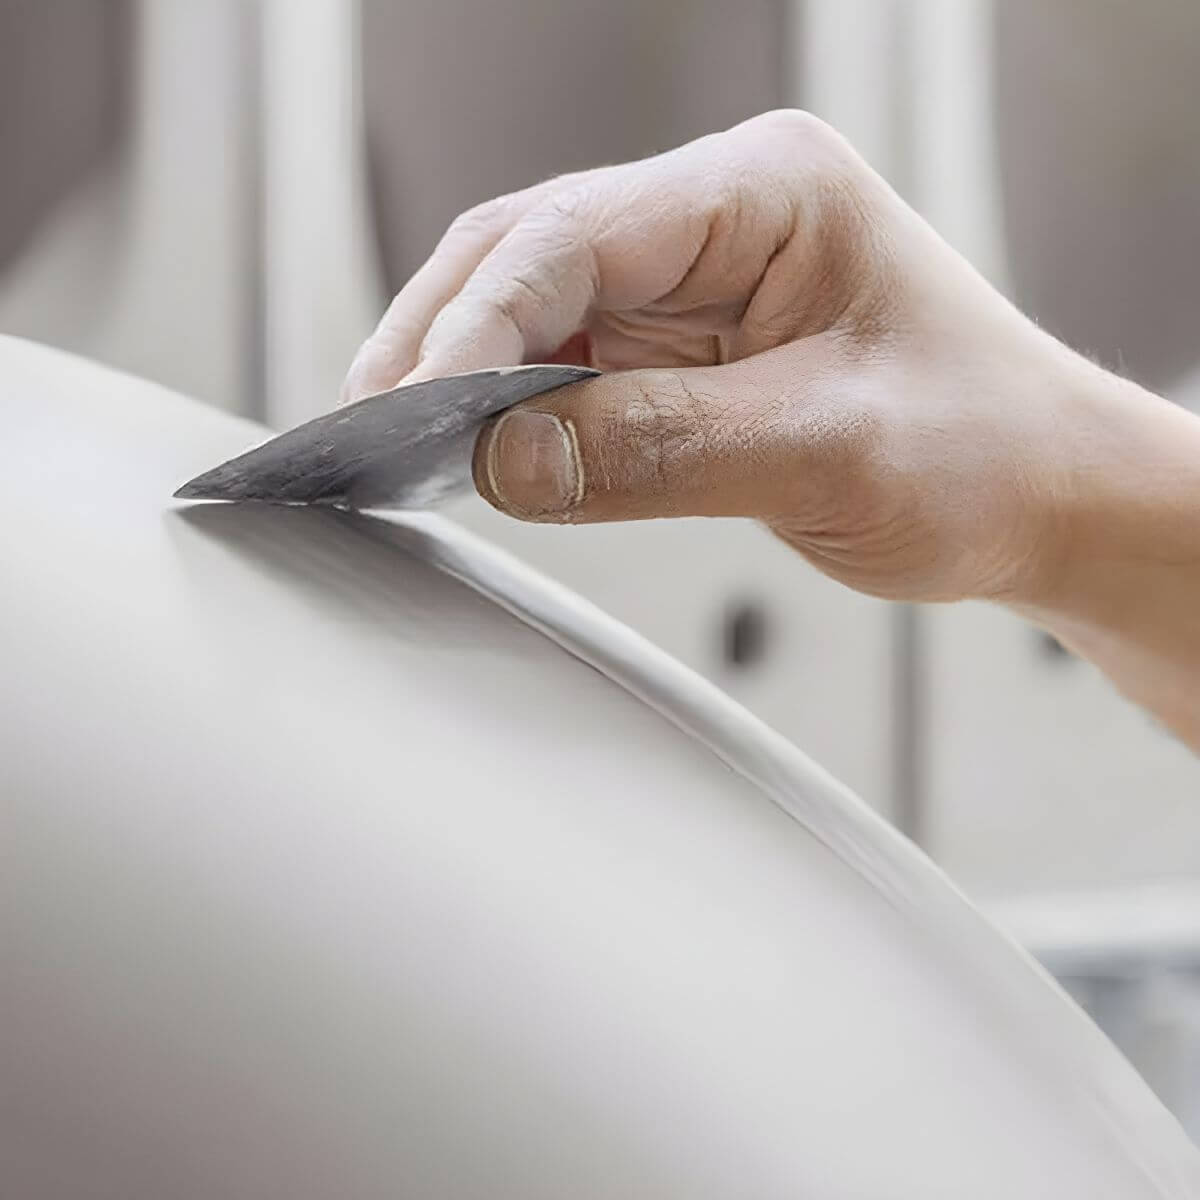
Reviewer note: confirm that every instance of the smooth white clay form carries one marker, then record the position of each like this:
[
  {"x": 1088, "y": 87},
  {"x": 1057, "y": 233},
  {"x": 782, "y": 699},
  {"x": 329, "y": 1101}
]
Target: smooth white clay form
[{"x": 333, "y": 867}]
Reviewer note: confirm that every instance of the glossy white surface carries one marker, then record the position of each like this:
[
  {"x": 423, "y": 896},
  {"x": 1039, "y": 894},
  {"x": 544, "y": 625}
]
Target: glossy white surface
[{"x": 325, "y": 874}]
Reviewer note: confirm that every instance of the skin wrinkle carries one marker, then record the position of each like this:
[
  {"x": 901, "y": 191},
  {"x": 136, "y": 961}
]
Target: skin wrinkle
[
  {"x": 758, "y": 330},
  {"x": 511, "y": 307},
  {"x": 694, "y": 268},
  {"x": 620, "y": 294},
  {"x": 661, "y": 421},
  {"x": 530, "y": 289}
]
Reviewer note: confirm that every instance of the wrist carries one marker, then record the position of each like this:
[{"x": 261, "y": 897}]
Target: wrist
[
  {"x": 1125, "y": 508},
  {"x": 1121, "y": 581}
]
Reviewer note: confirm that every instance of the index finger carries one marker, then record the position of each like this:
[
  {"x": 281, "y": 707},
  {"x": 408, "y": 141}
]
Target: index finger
[
  {"x": 391, "y": 351},
  {"x": 619, "y": 240}
]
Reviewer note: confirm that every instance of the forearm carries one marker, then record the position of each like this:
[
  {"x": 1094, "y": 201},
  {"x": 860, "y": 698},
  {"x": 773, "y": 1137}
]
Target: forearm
[{"x": 1124, "y": 587}]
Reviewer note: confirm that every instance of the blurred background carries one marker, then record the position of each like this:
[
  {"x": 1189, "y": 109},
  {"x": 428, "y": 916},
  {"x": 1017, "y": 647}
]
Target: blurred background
[{"x": 222, "y": 197}]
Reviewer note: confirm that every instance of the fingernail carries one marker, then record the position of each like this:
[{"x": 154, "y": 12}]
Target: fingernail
[{"x": 533, "y": 464}]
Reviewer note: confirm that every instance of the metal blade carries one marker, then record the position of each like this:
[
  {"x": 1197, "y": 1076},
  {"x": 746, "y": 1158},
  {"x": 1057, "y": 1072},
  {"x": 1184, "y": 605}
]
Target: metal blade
[{"x": 406, "y": 448}]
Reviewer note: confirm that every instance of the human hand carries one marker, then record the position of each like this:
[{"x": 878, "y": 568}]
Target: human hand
[{"x": 785, "y": 340}]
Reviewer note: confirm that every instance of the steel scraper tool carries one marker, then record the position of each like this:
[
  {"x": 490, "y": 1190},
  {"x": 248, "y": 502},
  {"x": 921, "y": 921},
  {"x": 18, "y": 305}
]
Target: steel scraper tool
[{"x": 407, "y": 448}]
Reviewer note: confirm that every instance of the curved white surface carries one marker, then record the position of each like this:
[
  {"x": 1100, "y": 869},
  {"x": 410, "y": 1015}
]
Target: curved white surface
[{"x": 325, "y": 873}]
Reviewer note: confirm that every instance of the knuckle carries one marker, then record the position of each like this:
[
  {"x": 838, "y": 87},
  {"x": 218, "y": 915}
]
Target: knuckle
[
  {"x": 451, "y": 324},
  {"x": 664, "y": 422},
  {"x": 397, "y": 328},
  {"x": 563, "y": 213},
  {"x": 555, "y": 266},
  {"x": 483, "y": 220},
  {"x": 817, "y": 140},
  {"x": 661, "y": 399},
  {"x": 519, "y": 296},
  {"x": 517, "y": 300},
  {"x": 795, "y": 122}
]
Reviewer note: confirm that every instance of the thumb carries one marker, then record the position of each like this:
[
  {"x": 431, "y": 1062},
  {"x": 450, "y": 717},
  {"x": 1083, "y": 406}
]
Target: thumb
[{"x": 735, "y": 440}]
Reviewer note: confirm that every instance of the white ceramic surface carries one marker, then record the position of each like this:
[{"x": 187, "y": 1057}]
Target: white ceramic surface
[{"x": 328, "y": 868}]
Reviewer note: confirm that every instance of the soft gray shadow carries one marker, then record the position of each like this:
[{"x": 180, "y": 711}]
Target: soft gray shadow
[{"x": 383, "y": 578}]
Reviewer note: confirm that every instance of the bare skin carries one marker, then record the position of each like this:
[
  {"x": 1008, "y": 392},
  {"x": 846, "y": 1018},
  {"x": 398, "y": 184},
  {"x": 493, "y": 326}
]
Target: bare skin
[{"x": 784, "y": 339}]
